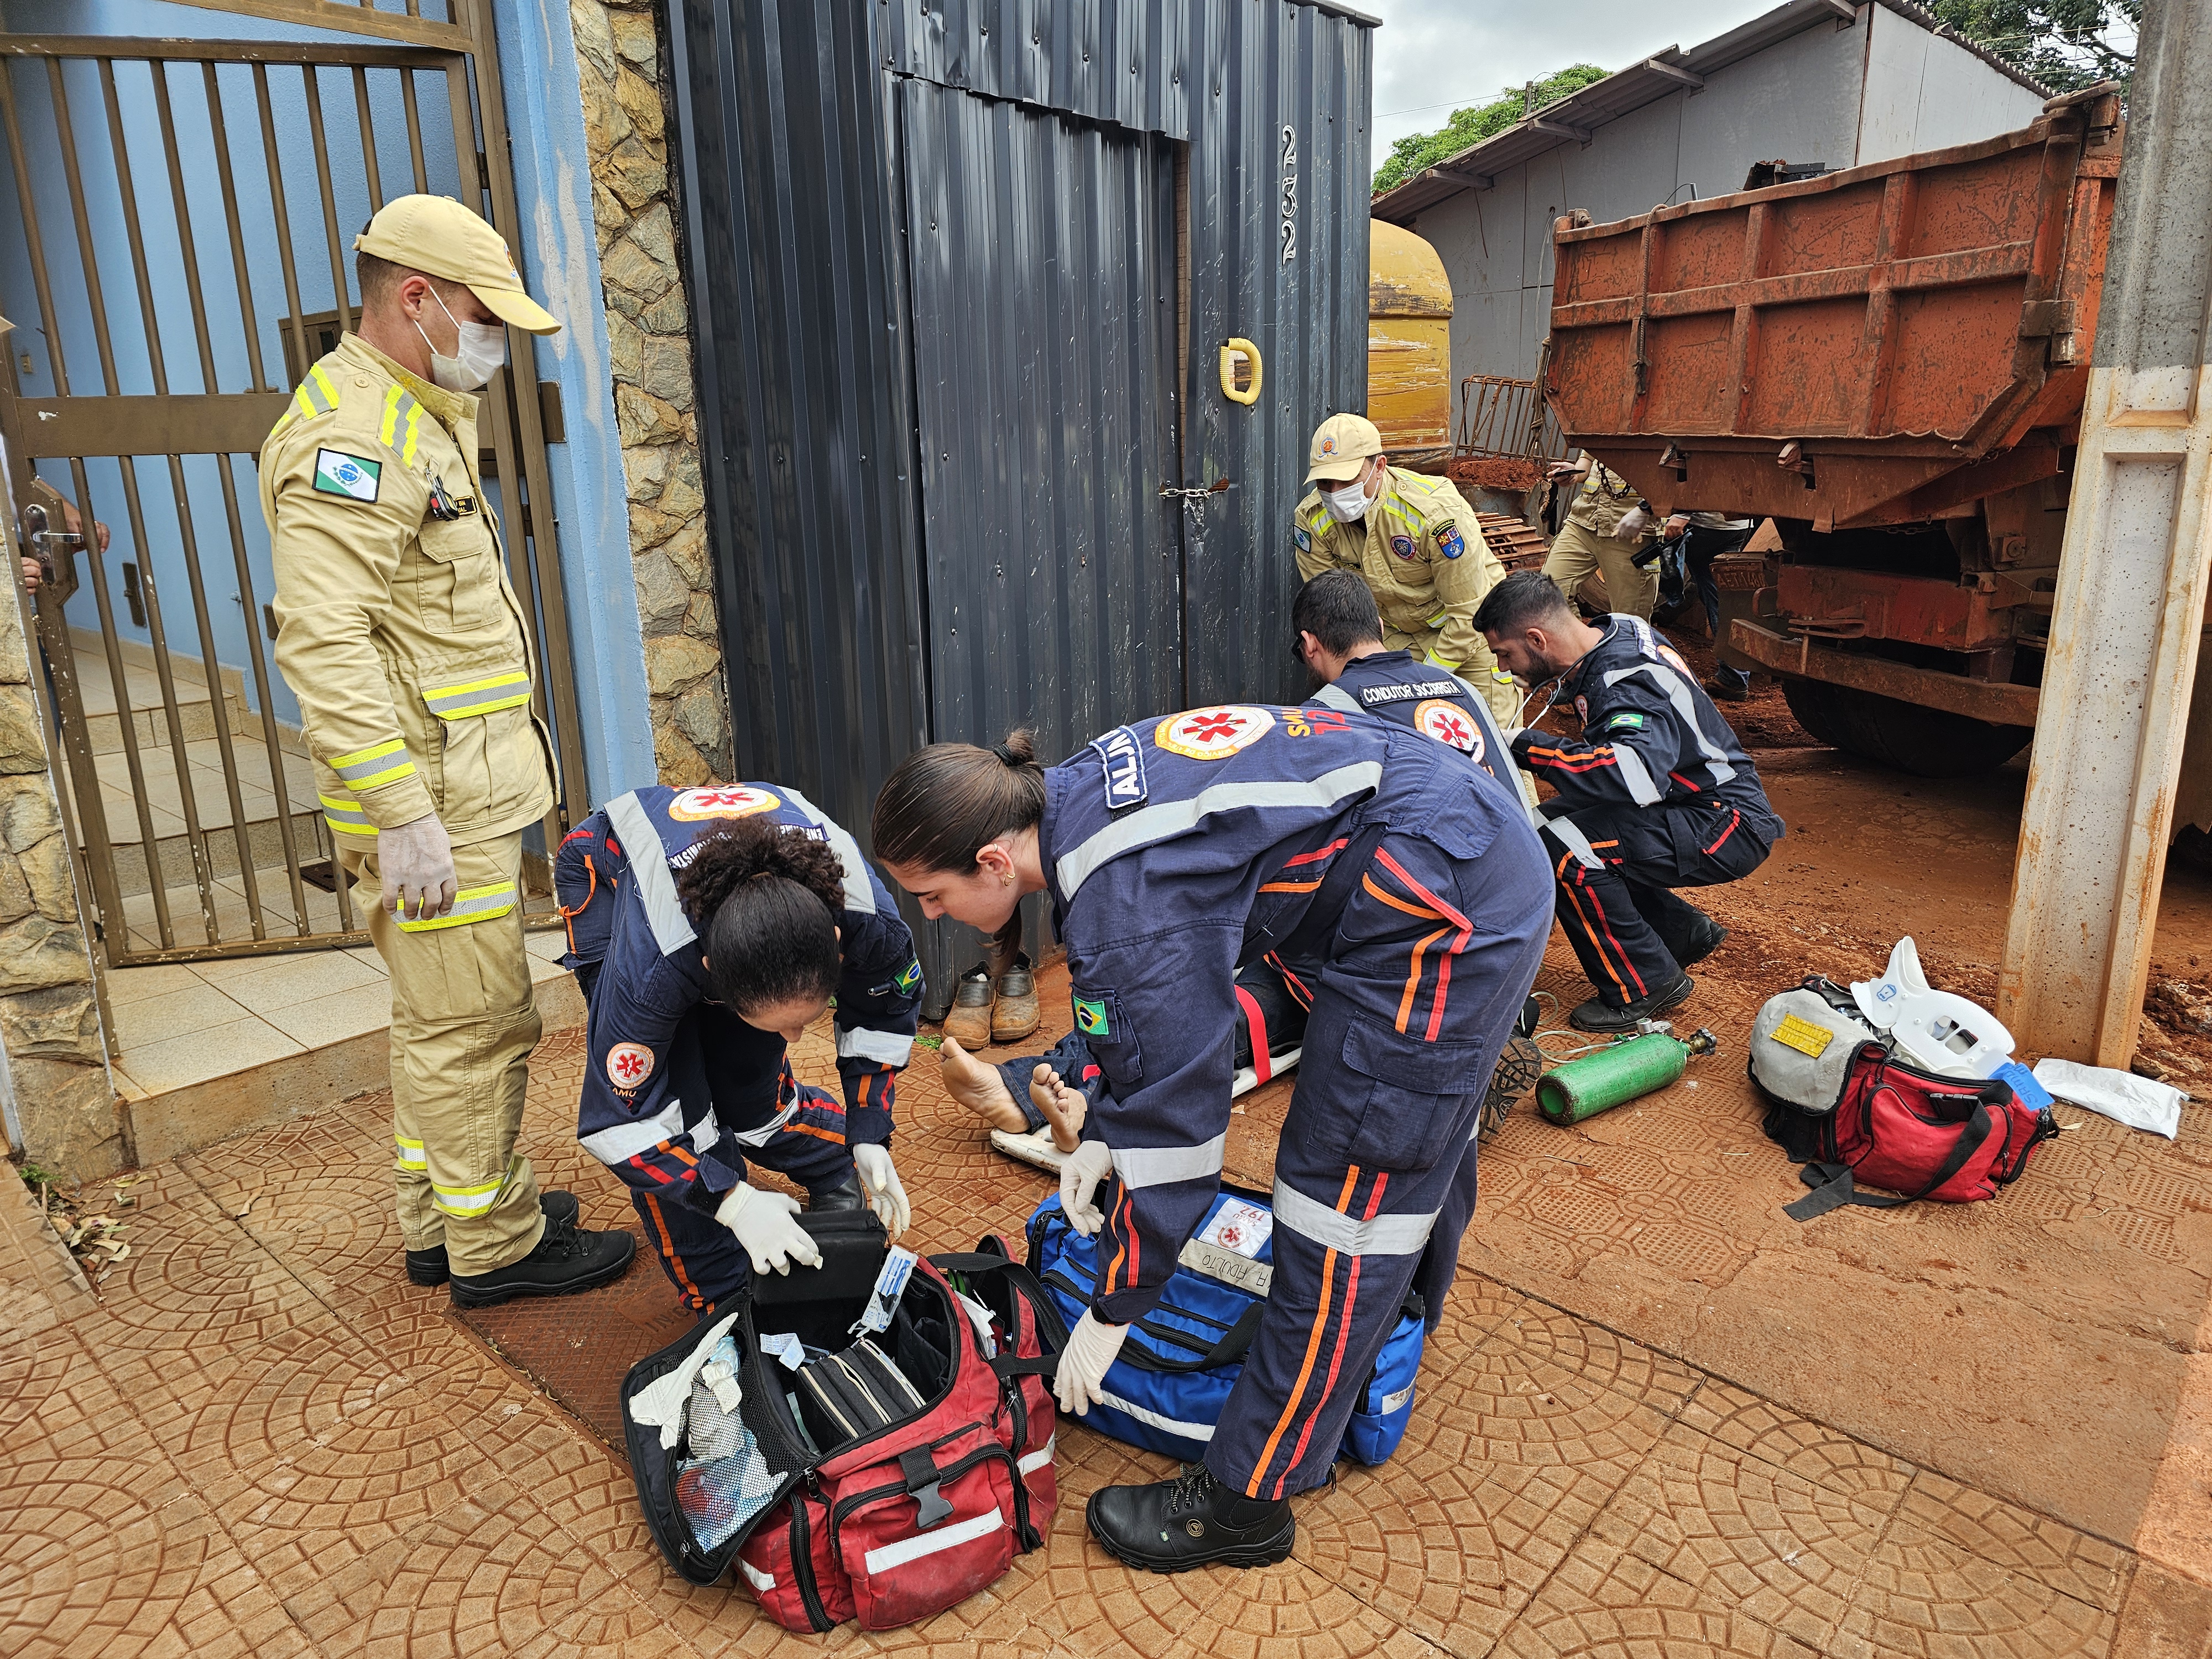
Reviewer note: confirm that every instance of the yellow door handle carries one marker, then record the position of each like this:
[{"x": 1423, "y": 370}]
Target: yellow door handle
[{"x": 1234, "y": 356}]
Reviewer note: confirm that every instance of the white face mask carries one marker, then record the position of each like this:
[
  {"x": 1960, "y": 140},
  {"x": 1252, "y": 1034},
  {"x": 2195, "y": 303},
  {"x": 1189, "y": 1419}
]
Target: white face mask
[
  {"x": 481, "y": 348},
  {"x": 1349, "y": 504}
]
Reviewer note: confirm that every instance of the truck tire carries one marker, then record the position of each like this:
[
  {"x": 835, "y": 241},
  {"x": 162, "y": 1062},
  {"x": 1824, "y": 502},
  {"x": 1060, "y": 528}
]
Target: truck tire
[{"x": 1928, "y": 742}]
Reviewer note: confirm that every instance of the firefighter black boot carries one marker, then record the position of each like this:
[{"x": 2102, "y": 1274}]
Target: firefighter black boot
[{"x": 428, "y": 1266}]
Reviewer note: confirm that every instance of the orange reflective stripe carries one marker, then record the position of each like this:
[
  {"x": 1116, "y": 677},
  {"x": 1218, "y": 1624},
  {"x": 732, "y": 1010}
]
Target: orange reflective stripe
[
  {"x": 1414, "y": 978},
  {"x": 1288, "y": 886},
  {"x": 668, "y": 1252},
  {"x": 1368, "y": 882},
  {"x": 1313, "y": 1347}
]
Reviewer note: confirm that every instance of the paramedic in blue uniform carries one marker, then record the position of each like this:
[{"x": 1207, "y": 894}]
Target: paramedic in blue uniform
[
  {"x": 1657, "y": 793},
  {"x": 709, "y": 927},
  {"x": 1336, "y": 631},
  {"x": 1175, "y": 849}
]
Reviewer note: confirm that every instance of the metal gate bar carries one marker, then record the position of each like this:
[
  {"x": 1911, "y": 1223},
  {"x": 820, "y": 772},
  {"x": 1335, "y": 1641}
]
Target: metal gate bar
[{"x": 224, "y": 425}]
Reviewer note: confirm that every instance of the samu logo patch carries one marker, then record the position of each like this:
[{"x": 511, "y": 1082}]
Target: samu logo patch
[
  {"x": 1122, "y": 759},
  {"x": 354, "y": 476},
  {"x": 1090, "y": 1016}
]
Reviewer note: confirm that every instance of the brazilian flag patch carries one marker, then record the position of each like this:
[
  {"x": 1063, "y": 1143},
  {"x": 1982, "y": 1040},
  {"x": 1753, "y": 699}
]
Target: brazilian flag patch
[
  {"x": 1090, "y": 1016},
  {"x": 1629, "y": 721},
  {"x": 354, "y": 476},
  {"x": 910, "y": 979}
]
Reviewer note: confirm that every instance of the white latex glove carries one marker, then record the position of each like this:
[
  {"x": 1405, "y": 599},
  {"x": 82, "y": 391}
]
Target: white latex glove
[
  {"x": 763, "y": 1222},
  {"x": 880, "y": 1182},
  {"x": 416, "y": 861},
  {"x": 1086, "y": 1166},
  {"x": 1633, "y": 523},
  {"x": 1080, "y": 1384}
]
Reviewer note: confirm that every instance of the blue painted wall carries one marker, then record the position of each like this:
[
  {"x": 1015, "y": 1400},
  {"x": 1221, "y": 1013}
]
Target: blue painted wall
[{"x": 554, "y": 243}]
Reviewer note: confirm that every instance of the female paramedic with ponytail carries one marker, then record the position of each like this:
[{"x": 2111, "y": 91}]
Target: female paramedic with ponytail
[
  {"x": 1177, "y": 850},
  {"x": 709, "y": 927}
]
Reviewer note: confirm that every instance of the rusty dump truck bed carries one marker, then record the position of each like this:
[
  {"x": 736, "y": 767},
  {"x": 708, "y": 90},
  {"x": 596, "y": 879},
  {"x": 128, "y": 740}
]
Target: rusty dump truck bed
[{"x": 1870, "y": 346}]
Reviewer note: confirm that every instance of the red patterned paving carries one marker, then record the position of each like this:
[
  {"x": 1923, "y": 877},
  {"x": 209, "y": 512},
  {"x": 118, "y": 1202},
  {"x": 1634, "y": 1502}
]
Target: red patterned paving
[{"x": 263, "y": 1440}]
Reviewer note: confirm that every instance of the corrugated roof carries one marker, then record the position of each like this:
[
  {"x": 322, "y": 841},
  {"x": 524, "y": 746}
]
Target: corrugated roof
[{"x": 1573, "y": 118}]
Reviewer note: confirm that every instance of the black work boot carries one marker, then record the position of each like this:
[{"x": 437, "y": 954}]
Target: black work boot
[
  {"x": 1596, "y": 1015},
  {"x": 428, "y": 1266},
  {"x": 567, "y": 1260},
  {"x": 1704, "y": 938},
  {"x": 1192, "y": 1521},
  {"x": 844, "y": 1197}
]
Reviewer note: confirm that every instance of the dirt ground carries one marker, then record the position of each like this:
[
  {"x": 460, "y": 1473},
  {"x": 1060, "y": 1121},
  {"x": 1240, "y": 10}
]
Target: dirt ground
[{"x": 2048, "y": 1345}]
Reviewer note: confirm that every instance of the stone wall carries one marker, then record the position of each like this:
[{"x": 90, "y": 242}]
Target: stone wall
[
  {"x": 622, "y": 68},
  {"x": 49, "y": 1016}
]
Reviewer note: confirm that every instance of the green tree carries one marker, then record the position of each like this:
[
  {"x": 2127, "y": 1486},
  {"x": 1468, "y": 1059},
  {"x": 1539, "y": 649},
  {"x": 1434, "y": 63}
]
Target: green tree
[
  {"x": 2065, "y": 44},
  {"x": 1471, "y": 125}
]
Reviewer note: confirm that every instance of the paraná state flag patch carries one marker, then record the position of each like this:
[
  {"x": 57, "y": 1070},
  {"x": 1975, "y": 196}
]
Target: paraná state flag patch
[{"x": 354, "y": 476}]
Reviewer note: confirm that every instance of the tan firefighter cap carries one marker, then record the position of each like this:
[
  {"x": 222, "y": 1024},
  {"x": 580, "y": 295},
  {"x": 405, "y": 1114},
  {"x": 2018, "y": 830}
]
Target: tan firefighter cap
[
  {"x": 439, "y": 237},
  {"x": 1342, "y": 444}
]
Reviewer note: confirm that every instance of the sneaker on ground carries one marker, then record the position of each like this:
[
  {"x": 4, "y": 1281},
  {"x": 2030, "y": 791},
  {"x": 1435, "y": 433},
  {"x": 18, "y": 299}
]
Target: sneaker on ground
[
  {"x": 429, "y": 1267},
  {"x": 1192, "y": 1521},
  {"x": 1596, "y": 1015},
  {"x": 567, "y": 1260}
]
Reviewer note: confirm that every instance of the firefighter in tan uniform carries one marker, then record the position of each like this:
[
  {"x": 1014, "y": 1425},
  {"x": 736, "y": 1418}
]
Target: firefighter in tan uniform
[
  {"x": 410, "y": 656},
  {"x": 1608, "y": 526},
  {"x": 1415, "y": 542}
]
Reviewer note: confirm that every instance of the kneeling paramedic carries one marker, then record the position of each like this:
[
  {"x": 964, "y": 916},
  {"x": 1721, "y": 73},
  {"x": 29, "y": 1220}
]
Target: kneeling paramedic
[
  {"x": 1175, "y": 849},
  {"x": 709, "y": 927},
  {"x": 1337, "y": 633},
  {"x": 406, "y": 647},
  {"x": 1656, "y": 794}
]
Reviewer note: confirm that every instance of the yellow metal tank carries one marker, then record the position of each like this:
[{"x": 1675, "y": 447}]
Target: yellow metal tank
[{"x": 1409, "y": 307}]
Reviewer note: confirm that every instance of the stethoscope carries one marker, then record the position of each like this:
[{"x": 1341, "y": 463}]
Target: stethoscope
[{"x": 1524, "y": 718}]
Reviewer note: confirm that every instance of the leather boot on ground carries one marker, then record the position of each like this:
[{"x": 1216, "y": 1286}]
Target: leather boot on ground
[
  {"x": 1702, "y": 943},
  {"x": 1596, "y": 1015},
  {"x": 1192, "y": 1521},
  {"x": 567, "y": 1260},
  {"x": 846, "y": 1197},
  {"x": 1014, "y": 1015},
  {"x": 428, "y": 1266},
  {"x": 968, "y": 1022}
]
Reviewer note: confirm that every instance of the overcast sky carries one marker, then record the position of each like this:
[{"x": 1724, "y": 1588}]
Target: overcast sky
[{"x": 1434, "y": 55}]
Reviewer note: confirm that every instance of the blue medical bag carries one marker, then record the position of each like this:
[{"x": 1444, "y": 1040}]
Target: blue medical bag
[{"x": 1166, "y": 1391}]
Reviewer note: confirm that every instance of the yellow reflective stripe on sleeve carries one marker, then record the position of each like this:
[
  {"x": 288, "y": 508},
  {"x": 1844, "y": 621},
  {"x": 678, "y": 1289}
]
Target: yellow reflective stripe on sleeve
[
  {"x": 315, "y": 395},
  {"x": 330, "y": 392},
  {"x": 469, "y": 904},
  {"x": 401, "y": 415},
  {"x": 365, "y": 768},
  {"x": 484, "y": 697},
  {"x": 306, "y": 404},
  {"x": 345, "y": 817},
  {"x": 411, "y": 1155}
]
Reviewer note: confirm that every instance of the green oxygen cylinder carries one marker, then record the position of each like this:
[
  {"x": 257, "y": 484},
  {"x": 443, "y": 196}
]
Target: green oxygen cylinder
[{"x": 1626, "y": 1071}]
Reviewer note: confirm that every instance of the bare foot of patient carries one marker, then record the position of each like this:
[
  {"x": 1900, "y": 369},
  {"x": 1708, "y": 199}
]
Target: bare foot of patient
[
  {"x": 1063, "y": 1107},
  {"x": 979, "y": 1088}
]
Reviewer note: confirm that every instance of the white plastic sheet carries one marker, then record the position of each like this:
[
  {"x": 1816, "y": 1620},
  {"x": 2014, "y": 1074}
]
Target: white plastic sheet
[{"x": 2121, "y": 1096}]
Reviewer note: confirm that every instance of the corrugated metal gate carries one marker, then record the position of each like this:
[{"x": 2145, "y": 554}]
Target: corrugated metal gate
[
  {"x": 960, "y": 280},
  {"x": 207, "y": 172}
]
